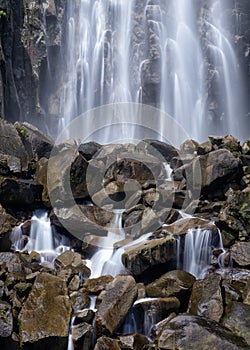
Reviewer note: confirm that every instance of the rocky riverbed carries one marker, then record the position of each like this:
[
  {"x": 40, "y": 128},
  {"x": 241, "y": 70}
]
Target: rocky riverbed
[{"x": 208, "y": 191}]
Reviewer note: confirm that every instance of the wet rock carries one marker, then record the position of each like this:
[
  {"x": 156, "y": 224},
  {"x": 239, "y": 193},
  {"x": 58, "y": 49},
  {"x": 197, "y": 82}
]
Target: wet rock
[
  {"x": 217, "y": 169},
  {"x": 204, "y": 148},
  {"x": 105, "y": 343},
  {"x": 237, "y": 319},
  {"x": 235, "y": 284},
  {"x": 63, "y": 177},
  {"x": 7, "y": 222},
  {"x": 144, "y": 255},
  {"x": 182, "y": 226},
  {"x": 240, "y": 253},
  {"x": 246, "y": 147},
  {"x": 118, "y": 295},
  {"x": 91, "y": 218},
  {"x": 133, "y": 341},
  {"x": 96, "y": 285},
  {"x": 73, "y": 261},
  {"x": 11, "y": 143},
  {"x": 196, "y": 332},
  {"x": 46, "y": 312},
  {"x": 173, "y": 283},
  {"x": 88, "y": 150},
  {"x": 189, "y": 147},
  {"x": 9, "y": 164},
  {"x": 6, "y": 319},
  {"x": 155, "y": 146},
  {"x": 228, "y": 142},
  {"x": 80, "y": 300},
  {"x": 206, "y": 298},
  {"x": 147, "y": 312},
  {"x": 11, "y": 262},
  {"x": 74, "y": 284},
  {"x": 141, "y": 219},
  {"x": 86, "y": 316},
  {"x": 82, "y": 336},
  {"x": 23, "y": 288},
  {"x": 20, "y": 193},
  {"x": 37, "y": 144}
]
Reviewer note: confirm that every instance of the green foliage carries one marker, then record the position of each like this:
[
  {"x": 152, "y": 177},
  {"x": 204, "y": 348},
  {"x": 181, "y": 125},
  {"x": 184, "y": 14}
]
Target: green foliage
[
  {"x": 3, "y": 13},
  {"x": 21, "y": 131}
]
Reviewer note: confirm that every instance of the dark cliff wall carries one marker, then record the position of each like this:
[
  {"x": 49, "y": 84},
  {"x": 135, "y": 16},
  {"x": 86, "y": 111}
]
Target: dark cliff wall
[{"x": 31, "y": 38}]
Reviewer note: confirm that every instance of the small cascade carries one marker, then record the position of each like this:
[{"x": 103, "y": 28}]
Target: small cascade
[
  {"x": 41, "y": 238},
  {"x": 101, "y": 258},
  {"x": 144, "y": 314},
  {"x": 16, "y": 238},
  {"x": 194, "y": 254},
  {"x": 70, "y": 340}
]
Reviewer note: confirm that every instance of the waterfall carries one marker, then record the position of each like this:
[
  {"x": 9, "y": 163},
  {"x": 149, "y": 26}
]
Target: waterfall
[
  {"x": 194, "y": 255},
  {"x": 101, "y": 259},
  {"x": 41, "y": 238},
  {"x": 177, "y": 55}
]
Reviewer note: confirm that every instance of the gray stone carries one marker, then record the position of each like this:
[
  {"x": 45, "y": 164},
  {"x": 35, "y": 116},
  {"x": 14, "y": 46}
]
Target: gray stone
[
  {"x": 118, "y": 295},
  {"x": 46, "y": 312},
  {"x": 6, "y": 319},
  {"x": 206, "y": 298}
]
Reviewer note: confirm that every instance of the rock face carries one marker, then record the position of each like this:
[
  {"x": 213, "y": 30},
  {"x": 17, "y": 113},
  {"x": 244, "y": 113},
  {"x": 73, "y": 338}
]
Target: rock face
[
  {"x": 139, "y": 258},
  {"x": 6, "y": 320},
  {"x": 240, "y": 253},
  {"x": 118, "y": 295},
  {"x": 46, "y": 312},
  {"x": 237, "y": 319},
  {"x": 195, "y": 332},
  {"x": 206, "y": 298},
  {"x": 173, "y": 283}
]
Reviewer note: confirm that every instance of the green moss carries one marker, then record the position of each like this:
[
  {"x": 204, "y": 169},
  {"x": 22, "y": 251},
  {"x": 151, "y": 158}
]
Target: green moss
[
  {"x": 3, "y": 13},
  {"x": 21, "y": 131}
]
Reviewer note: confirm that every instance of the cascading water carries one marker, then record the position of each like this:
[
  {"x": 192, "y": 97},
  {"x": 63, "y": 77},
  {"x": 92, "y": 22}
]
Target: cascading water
[
  {"x": 194, "y": 256},
  {"x": 41, "y": 238},
  {"x": 177, "y": 55}
]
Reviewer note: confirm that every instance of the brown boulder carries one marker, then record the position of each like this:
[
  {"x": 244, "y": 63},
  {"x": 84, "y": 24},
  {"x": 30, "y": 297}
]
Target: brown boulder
[
  {"x": 240, "y": 253},
  {"x": 46, "y": 312},
  {"x": 206, "y": 298},
  {"x": 118, "y": 295}
]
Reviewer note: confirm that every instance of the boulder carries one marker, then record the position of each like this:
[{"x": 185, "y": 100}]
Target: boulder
[
  {"x": 118, "y": 295},
  {"x": 9, "y": 165},
  {"x": 84, "y": 219},
  {"x": 140, "y": 257},
  {"x": 141, "y": 219},
  {"x": 6, "y": 319},
  {"x": 133, "y": 341},
  {"x": 96, "y": 285},
  {"x": 79, "y": 300},
  {"x": 46, "y": 312},
  {"x": 195, "y": 332},
  {"x": 235, "y": 284},
  {"x": 89, "y": 149},
  {"x": 7, "y": 222},
  {"x": 217, "y": 170},
  {"x": 237, "y": 319},
  {"x": 189, "y": 147},
  {"x": 105, "y": 343},
  {"x": 240, "y": 253},
  {"x": 154, "y": 146},
  {"x": 206, "y": 298},
  {"x": 37, "y": 144},
  {"x": 72, "y": 260},
  {"x": 228, "y": 142},
  {"x": 11, "y": 143},
  {"x": 20, "y": 193},
  {"x": 82, "y": 336},
  {"x": 63, "y": 177},
  {"x": 174, "y": 283}
]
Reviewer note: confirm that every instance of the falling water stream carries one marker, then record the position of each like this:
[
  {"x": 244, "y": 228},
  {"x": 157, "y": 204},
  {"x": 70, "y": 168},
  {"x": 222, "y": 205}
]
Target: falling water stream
[{"x": 177, "y": 55}]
